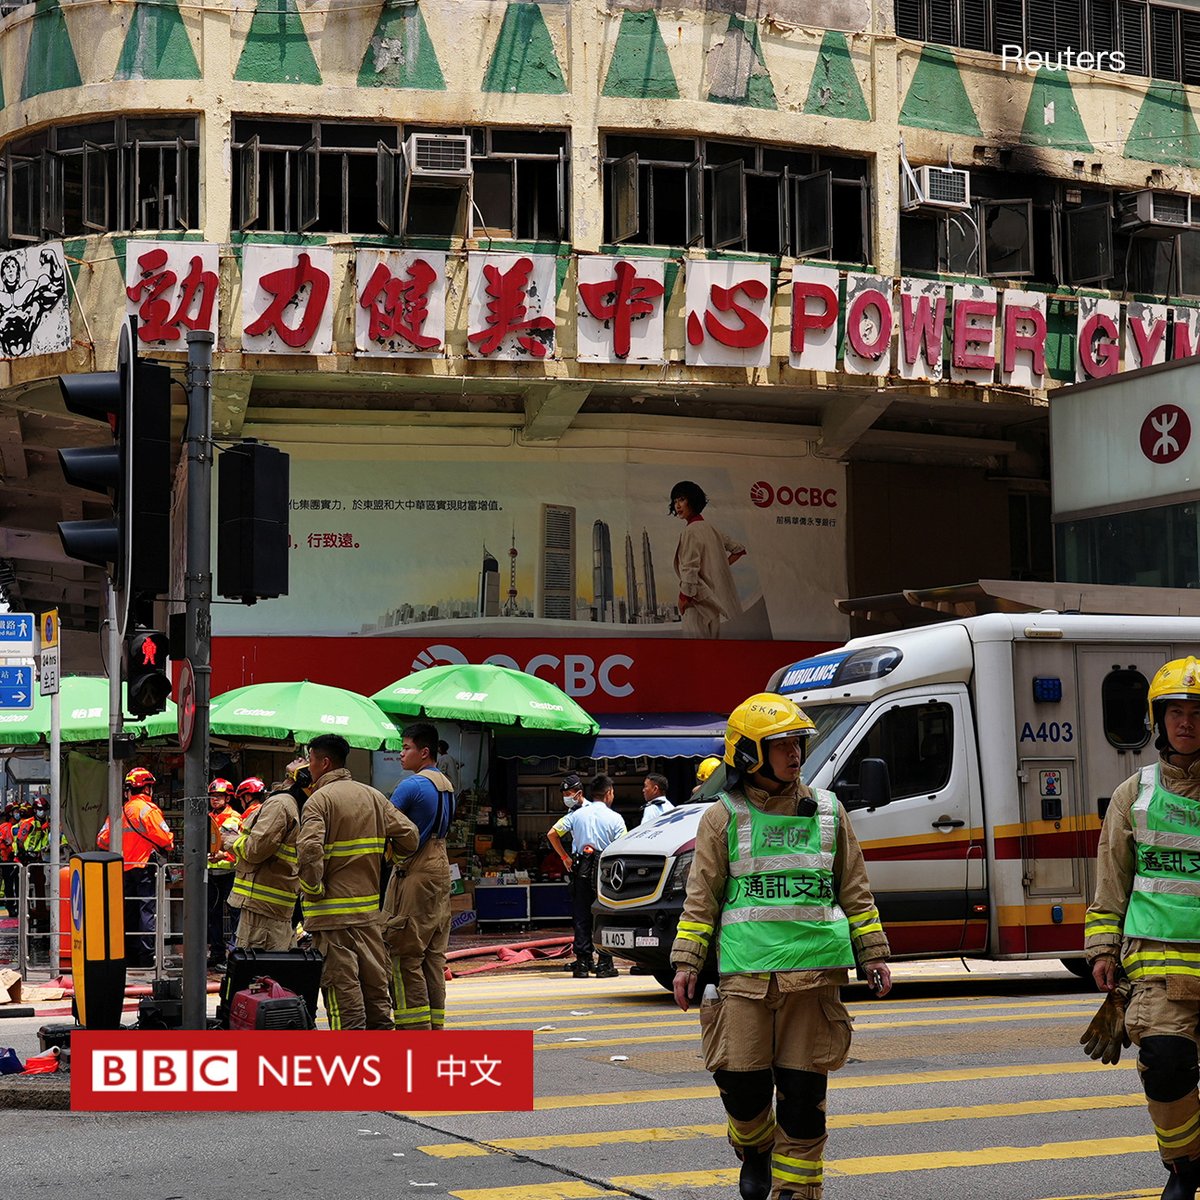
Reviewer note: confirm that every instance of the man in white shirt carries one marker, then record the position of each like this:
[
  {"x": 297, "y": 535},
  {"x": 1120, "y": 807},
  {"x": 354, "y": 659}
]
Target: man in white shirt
[
  {"x": 654, "y": 789},
  {"x": 593, "y": 827}
]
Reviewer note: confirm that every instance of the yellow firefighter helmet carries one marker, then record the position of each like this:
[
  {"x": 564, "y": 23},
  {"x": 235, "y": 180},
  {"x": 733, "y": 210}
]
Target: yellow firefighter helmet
[{"x": 757, "y": 721}]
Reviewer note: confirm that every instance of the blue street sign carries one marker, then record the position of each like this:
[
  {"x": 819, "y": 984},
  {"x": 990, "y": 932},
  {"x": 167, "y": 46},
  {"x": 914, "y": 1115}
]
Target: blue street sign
[
  {"x": 16, "y": 635},
  {"x": 16, "y": 687}
]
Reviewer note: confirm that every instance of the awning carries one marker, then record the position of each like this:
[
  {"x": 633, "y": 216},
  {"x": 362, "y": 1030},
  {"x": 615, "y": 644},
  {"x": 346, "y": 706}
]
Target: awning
[{"x": 653, "y": 735}]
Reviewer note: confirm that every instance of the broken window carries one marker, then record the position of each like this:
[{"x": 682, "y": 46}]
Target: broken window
[{"x": 761, "y": 199}]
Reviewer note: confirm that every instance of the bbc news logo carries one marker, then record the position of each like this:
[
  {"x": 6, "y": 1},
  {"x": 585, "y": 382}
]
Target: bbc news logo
[
  {"x": 164, "y": 1070},
  {"x": 285, "y": 1071}
]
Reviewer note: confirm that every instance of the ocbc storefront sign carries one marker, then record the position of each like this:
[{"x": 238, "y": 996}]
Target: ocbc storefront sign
[{"x": 764, "y": 494}]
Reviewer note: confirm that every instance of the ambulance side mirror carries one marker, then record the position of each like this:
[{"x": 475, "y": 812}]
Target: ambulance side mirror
[{"x": 874, "y": 784}]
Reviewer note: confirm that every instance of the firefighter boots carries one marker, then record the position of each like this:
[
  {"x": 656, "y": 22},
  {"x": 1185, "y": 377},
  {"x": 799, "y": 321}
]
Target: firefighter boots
[
  {"x": 1185, "y": 1178},
  {"x": 605, "y": 968},
  {"x": 754, "y": 1180},
  {"x": 581, "y": 969}
]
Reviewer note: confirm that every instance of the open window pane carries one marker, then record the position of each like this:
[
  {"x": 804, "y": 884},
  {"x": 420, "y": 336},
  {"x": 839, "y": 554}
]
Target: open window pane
[
  {"x": 248, "y": 184},
  {"x": 52, "y": 194},
  {"x": 695, "y": 203},
  {"x": 728, "y": 205},
  {"x": 1089, "y": 244},
  {"x": 308, "y": 181},
  {"x": 385, "y": 187},
  {"x": 1006, "y": 229},
  {"x": 493, "y": 186},
  {"x": 626, "y": 219},
  {"x": 25, "y": 199},
  {"x": 183, "y": 208},
  {"x": 959, "y": 245},
  {"x": 813, "y": 222}
]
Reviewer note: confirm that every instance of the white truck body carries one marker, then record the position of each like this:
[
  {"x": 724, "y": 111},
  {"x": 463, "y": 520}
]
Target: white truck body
[{"x": 1004, "y": 735}]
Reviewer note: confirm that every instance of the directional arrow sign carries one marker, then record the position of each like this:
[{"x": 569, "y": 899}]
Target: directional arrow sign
[
  {"x": 16, "y": 635},
  {"x": 16, "y": 687}
]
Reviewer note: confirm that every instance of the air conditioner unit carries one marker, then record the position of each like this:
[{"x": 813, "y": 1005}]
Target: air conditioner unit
[
  {"x": 434, "y": 157},
  {"x": 944, "y": 187},
  {"x": 1154, "y": 214}
]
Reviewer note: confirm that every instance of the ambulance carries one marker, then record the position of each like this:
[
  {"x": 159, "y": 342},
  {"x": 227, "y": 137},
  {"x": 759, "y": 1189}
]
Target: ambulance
[{"x": 975, "y": 757}]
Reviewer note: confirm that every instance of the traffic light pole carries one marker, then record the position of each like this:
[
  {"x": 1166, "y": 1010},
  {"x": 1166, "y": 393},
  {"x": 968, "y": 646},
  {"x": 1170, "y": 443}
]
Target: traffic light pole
[
  {"x": 198, "y": 594},
  {"x": 116, "y": 726}
]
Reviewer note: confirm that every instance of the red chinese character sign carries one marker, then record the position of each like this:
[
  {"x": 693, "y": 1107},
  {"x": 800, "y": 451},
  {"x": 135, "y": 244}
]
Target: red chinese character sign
[
  {"x": 287, "y": 300},
  {"x": 401, "y": 303},
  {"x": 34, "y": 316},
  {"x": 171, "y": 287},
  {"x": 621, "y": 309},
  {"x": 728, "y": 314},
  {"x": 510, "y": 314}
]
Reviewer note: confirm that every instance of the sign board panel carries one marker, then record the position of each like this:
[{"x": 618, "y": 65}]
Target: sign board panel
[
  {"x": 16, "y": 635},
  {"x": 16, "y": 687},
  {"x": 48, "y": 671}
]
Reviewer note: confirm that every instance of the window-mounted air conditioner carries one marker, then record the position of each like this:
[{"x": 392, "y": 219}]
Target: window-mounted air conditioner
[
  {"x": 438, "y": 156},
  {"x": 936, "y": 187},
  {"x": 1154, "y": 214}
]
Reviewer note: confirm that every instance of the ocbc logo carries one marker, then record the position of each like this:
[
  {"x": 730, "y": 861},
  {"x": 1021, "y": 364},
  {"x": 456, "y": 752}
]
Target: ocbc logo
[
  {"x": 764, "y": 495},
  {"x": 576, "y": 674}
]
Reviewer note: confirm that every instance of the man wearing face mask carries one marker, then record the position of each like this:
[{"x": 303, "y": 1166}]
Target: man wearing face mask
[
  {"x": 779, "y": 877},
  {"x": 1142, "y": 931}
]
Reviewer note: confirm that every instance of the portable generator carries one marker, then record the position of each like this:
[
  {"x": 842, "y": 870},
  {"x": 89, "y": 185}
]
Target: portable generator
[{"x": 266, "y": 1004}]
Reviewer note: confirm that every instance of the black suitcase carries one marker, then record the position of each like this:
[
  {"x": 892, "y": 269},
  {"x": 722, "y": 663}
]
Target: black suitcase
[{"x": 297, "y": 970}]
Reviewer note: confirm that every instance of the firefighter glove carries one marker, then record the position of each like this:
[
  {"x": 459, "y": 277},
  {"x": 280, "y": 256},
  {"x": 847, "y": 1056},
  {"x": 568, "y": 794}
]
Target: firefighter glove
[{"x": 1105, "y": 1036}]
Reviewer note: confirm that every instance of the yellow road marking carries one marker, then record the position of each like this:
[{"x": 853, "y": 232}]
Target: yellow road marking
[
  {"x": 886, "y": 1164},
  {"x": 836, "y": 1083},
  {"x": 856, "y": 1008},
  {"x": 684, "y": 1037},
  {"x": 679, "y": 1133}
]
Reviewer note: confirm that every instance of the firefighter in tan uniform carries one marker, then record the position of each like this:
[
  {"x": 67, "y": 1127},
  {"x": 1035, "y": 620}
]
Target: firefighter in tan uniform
[
  {"x": 416, "y": 909},
  {"x": 344, "y": 832},
  {"x": 779, "y": 879},
  {"x": 267, "y": 879},
  {"x": 1145, "y": 923}
]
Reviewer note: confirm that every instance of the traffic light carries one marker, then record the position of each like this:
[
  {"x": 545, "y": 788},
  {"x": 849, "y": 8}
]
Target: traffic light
[
  {"x": 252, "y": 522},
  {"x": 147, "y": 683},
  {"x": 134, "y": 472}
]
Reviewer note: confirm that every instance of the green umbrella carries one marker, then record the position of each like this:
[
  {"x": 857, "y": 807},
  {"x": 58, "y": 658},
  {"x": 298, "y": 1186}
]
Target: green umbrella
[
  {"x": 300, "y": 712},
  {"x": 83, "y": 716},
  {"x": 487, "y": 694}
]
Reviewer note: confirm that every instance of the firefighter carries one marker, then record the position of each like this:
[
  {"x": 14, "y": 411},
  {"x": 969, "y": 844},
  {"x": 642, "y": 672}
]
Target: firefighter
[
  {"x": 1144, "y": 924},
  {"x": 250, "y": 795},
  {"x": 775, "y": 1026},
  {"x": 703, "y": 773},
  {"x": 225, "y": 824},
  {"x": 416, "y": 909},
  {"x": 144, "y": 835},
  {"x": 31, "y": 844},
  {"x": 267, "y": 881},
  {"x": 8, "y": 858},
  {"x": 344, "y": 831}
]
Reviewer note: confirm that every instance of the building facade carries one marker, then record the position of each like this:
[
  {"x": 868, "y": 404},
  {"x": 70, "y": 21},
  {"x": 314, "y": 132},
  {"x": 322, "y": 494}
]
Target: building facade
[{"x": 493, "y": 273}]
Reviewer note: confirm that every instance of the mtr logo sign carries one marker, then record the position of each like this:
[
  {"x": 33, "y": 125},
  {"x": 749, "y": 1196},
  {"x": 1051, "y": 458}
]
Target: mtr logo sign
[
  {"x": 766, "y": 495},
  {"x": 285, "y": 1071}
]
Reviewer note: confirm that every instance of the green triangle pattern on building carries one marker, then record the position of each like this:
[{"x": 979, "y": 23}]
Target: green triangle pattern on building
[
  {"x": 400, "y": 53},
  {"x": 640, "y": 68},
  {"x": 1052, "y": 118},
  {"x": 277, "y": 49},
  {"x": 50, "y": 63},
  {"x": 157, "y": 45},
  {"x": 524, "y": 59},
  {"x": 835, "y": 90},
  {"x": 1165, "y": 129},
  {"x": 937, "y": 97},
  {"x": 741, "y": 75}
]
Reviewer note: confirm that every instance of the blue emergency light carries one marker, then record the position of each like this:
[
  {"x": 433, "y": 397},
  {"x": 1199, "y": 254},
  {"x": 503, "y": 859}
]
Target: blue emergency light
[{"x": 1047, "y": 689}]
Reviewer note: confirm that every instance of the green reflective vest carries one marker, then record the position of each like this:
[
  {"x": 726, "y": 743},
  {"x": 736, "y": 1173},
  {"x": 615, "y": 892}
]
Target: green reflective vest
[
  {"x": 1165, "y": 903},
  {"x": 781, "y": 911}
]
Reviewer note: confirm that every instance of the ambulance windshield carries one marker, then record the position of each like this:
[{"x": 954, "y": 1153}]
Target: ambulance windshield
[{"x": 833, "y": 722}]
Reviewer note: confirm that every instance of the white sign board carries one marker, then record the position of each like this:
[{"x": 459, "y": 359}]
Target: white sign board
[
  {"x": 48, "y": 671},
  {"x": 16, "y": 635}
]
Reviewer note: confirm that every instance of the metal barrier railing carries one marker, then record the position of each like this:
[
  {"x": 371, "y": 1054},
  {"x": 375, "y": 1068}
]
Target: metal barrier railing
[{"x": 30, "y": 951}]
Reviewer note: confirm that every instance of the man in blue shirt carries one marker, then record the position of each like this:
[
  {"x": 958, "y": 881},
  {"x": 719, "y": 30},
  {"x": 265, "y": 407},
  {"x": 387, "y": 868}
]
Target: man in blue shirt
[
  {"x": 654, "y": 791},
  {"x": 593, "y": 826},
  {"x": 416, "y": 908}
]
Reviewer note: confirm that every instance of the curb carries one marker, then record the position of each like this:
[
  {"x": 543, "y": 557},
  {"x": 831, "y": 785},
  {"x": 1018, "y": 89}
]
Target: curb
[
  {"x": 18, "y": 1010},
  {"x": 46, "y": 1092}
]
